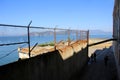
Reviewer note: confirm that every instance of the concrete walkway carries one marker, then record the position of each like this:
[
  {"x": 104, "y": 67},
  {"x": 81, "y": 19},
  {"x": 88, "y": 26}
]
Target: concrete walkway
[{"x": 98, "y": 70}]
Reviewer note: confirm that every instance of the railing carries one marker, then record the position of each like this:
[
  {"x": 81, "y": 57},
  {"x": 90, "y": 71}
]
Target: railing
[{"x": 79, "y": 34}]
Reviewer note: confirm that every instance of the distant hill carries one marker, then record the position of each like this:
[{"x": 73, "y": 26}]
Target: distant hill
[
  {"x": 65, "y": 32},
  {"x": 41, "y": 33},
  {"x": 51, "y": 33},
  {"x": 92, "y": 32}
]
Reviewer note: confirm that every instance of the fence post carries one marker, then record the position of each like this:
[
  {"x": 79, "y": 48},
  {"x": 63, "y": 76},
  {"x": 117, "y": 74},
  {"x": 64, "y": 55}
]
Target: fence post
[
  {"x": 88, "y": 37},
  {"x": 80, "y": 35},
  {"x": 68, "y": 37},
  {"x": 55, "y": 38},
  {"x": 88, "y": 42},
  {"x": 28, "y": 30},
  {"x": 76, "y": 35}
]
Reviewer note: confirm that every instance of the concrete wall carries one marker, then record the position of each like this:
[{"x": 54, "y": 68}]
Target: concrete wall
[
  {"x": 116, "y": 33},
  {"x": 49, "y": 66}
]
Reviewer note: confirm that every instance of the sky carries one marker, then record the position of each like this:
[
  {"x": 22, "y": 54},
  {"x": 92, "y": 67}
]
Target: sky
[{"x": 73, "y": 14}]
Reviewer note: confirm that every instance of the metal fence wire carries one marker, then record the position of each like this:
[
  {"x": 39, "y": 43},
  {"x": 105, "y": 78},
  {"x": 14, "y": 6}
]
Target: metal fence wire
[{"x": 44, "y": 34}]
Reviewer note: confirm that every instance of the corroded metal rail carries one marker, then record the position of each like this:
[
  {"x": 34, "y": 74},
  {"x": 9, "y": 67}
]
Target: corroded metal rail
[{"x": 102, "y": 42}]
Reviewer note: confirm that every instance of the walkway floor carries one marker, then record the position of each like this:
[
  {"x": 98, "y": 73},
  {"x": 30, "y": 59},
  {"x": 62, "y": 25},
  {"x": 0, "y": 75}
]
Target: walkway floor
[{"x": 98, "y": 70}]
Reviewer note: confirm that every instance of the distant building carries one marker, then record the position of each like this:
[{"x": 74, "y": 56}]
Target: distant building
[{"x": 116, "y": 33}]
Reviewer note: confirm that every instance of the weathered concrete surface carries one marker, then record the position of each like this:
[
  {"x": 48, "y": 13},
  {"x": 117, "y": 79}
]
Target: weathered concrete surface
[
  {"x": 49, "y": 66},
  {"x": 98, "y": 70}
]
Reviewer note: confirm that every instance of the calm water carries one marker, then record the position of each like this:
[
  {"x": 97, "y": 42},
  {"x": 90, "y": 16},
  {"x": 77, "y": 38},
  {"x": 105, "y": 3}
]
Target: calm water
[{"x": 6, "y": 58}]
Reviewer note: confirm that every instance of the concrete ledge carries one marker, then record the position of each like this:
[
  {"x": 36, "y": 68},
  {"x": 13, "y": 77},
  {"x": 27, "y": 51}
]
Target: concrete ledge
[{"x": 49, "y": 66}]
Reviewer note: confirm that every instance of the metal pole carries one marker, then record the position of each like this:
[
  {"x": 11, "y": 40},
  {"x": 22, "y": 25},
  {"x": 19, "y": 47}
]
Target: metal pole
[
  {"x": 68, "y": 36},
  {"x": 55, "y": 38},
  {"x": 29, "y": 37},
  {"x": 76, "y": 35},
  {"x": 88, "y": 37},
  {"x": 80, "y": 35},
  {"x": 87, "y": 42},
  {"x": 35, "y": 27}
]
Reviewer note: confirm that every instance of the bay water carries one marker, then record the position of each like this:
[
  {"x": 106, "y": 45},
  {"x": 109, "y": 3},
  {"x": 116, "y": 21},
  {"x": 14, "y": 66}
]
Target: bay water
[{"x": 9, "y": 54}]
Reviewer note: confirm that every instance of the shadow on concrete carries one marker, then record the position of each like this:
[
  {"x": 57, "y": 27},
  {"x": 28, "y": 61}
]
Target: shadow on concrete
[
  {"x": 98, "y": 70},
  {"x": 49, "y": 66}
]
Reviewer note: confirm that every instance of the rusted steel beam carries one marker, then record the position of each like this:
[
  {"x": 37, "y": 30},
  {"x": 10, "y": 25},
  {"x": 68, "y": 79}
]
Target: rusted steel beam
[{"x": 102, "y": 42}]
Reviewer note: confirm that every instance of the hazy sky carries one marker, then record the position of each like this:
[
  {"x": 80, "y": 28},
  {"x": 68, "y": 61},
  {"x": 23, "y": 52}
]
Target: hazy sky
[{"x": 76, "y": 14}]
